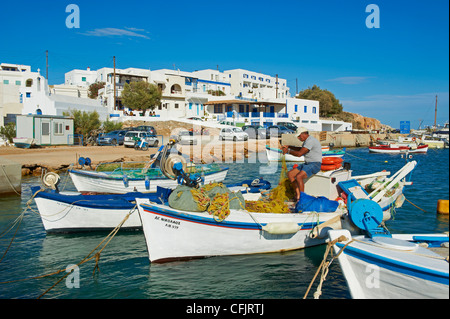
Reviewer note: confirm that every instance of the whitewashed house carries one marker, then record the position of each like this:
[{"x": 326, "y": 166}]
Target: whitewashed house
[
  {"x": 13, "y": 79},
  {"x": 37, "y": 99}
]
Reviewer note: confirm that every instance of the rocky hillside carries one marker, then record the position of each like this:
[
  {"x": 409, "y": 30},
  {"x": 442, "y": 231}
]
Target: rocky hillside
[{"x": 360, "y": 122}]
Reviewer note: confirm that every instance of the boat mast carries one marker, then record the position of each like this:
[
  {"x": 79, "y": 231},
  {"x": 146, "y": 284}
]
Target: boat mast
[{"x": 435, "y": 114}]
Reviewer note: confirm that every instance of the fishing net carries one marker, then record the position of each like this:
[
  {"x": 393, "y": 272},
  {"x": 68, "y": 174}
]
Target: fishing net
[
  {"x": 275, "y": 200},
  {"x": 218, "y": 200},
  {"x": 215, "y": 198}
]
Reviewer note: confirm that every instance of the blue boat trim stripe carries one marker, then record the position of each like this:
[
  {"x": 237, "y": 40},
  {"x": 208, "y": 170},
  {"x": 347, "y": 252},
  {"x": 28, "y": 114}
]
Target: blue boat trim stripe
[
  {"x": 211, "y": 222},
  {"x": 397, "y": 266},
  {"x": 119, "y": 178}
]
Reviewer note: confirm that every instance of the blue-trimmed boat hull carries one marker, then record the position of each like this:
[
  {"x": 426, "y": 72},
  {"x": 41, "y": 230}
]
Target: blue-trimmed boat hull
[{"x": 173, "y": 234}]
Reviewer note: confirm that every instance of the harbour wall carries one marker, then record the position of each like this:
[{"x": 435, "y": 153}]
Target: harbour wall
[
  {"x": 341, "y": 139},
  {"x": 10, "y": 177}
]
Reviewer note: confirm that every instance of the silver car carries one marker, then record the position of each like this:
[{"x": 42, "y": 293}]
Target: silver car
[
  {"x": 187, "y": 137},
  {"x": 132, "y": 136}
]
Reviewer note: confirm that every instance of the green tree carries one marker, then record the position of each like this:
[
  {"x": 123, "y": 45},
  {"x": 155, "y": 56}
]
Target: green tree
[
  {"x": 141, "y": 96},
  {"x": 8, "y": 131},
  {"x": 109, "y": 126},
  {"x": 84, "y": 122},
  {"x": 328, "y": 103},
  {"x": 93, "y": 89}
]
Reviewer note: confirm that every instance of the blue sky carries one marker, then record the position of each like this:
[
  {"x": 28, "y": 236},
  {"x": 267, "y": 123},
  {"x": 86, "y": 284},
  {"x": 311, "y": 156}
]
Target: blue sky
[{"x": 391, "y": 73}]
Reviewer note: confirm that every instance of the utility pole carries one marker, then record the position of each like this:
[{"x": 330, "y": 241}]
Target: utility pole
[
  {"x": 46, "y": 65},
  {"x": 296, "y": 86},
  {"x": 276, "y": 86},
  {"x": 114, "y": 81}
]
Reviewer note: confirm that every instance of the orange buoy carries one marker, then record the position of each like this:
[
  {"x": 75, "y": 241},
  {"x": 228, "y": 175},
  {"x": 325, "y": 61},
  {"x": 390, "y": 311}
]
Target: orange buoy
[
  {"x": 330, "y": 167},
  {"x": 331, "y": 160},
  {"x": 442, "y": 206}
]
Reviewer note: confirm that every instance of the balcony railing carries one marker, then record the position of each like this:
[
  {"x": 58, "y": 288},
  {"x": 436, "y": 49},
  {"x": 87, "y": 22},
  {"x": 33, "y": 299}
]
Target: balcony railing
[
  {"x": 229, "y": 114},
  {"x": 268, "y": 114}
]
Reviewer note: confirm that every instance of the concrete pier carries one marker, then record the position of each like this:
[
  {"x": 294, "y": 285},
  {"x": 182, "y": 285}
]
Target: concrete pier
[
  {"x": 10, "y": 177},
  {"x": 340, "y": 139}
]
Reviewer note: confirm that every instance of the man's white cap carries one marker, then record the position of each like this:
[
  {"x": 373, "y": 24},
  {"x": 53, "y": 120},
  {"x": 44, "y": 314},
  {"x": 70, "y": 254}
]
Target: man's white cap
[{"x": 301, "y": 130}]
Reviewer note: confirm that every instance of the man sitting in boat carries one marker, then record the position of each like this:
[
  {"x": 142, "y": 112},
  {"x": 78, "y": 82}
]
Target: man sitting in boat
[{"x": 312, "y": 152}]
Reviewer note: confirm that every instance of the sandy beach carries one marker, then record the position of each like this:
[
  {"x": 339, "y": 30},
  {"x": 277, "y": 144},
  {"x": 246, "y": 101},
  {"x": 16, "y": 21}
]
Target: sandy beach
[{"x": 56, "y": 158}]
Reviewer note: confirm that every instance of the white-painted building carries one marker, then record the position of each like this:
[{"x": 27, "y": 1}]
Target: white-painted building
[
  {"x": 238, "y": 95},
  {"x": 82, "y": 78},
  {"x": 37, "y": 99},
  {"x": 253, "y": 85},
  {"x": 13, "y": 78}
]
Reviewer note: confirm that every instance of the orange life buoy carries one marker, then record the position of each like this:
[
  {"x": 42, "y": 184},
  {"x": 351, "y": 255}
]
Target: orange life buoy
[
  {"x": 331, "y": 160},
  {"x": 330, "y": 167},
  {"x": 414, "y": 139}
]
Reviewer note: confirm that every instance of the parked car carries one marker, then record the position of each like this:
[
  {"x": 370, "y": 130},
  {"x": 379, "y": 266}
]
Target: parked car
[
  {"x": 111, "y": 138},
  {"x": 278, "y": 130},
  {"x": 146, "y": 128},
  {"x": 132, "y": 136},
  {"x": 195, "y": 118},
  {"x": 234, "y": 134},
  {"x": 255, "y": 131},
  {"x": 187, "y": 137},
  {"x": 288, "y": 125}
]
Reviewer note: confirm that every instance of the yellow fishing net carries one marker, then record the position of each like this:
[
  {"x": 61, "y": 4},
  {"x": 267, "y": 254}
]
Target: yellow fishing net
[{"x": 275, "y": 200}]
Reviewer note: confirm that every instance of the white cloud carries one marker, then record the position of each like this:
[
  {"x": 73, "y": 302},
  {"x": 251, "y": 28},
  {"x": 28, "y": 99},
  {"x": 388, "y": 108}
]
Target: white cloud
[
  {"x": 351, "y": 79},
  {"x": 111, "y": 32}
]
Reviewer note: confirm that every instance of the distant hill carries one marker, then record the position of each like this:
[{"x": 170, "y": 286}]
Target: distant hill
[{"x": 360, "y": 122}]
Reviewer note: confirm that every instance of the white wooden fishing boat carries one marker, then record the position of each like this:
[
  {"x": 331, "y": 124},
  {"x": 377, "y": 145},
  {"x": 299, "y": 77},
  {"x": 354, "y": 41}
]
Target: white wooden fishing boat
[
  {"x": 173, "y": 234},
  {"x": 23, "y": 142},
  {"x": 73, "y": 212},
  {"x": 275, "y": 154},
  {"x": 68, "y": 211},
  {"x": 393, "y": 267},
  {"x": 140, "y": 180},
  {"x": 382, "y": 187},
  {"x": 396, "y": 148}
]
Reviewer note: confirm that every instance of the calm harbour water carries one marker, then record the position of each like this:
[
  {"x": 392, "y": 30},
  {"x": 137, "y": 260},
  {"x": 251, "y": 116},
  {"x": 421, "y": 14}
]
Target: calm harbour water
[{"x": 126, "y": 273}]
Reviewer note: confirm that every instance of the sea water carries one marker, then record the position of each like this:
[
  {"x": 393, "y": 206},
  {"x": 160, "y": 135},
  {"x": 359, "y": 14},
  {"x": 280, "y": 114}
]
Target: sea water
[{"x": 124, "y": 270}]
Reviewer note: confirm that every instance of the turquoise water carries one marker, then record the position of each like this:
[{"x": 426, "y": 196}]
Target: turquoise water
[{"x": 125, "y": 271}]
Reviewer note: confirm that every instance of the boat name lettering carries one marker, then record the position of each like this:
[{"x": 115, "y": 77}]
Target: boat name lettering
[{"x": 169, "y": 222}]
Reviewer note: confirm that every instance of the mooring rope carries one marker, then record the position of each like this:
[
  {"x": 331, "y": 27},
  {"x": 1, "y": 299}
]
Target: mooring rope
[
  {"x": 416, "y": 205},
  {"x": 324, "y": 266},
  {"x": 364, "y": 159},
  {"x": 88, "y": 257},
  {"x": 16, "y": 223},
  {"x": 9, "y": 181},
  {"x": 97, "y": 254}
]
